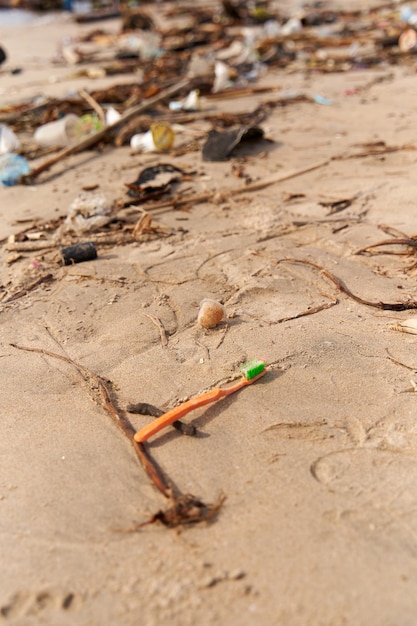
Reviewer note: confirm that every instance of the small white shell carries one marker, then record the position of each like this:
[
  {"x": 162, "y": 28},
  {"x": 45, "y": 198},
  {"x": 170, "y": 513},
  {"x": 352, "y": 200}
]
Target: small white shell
[
  {"x": 407, "y": 326},
  {"x": 211, "y": 313}
]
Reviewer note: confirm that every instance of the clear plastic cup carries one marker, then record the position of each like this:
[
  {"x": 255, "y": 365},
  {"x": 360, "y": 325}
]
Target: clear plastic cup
[{"x": 60, "y": 133}]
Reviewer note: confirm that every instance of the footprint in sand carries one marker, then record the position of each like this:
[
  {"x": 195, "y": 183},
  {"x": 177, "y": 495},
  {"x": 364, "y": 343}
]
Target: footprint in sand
[{"x": 369, "y": 474}]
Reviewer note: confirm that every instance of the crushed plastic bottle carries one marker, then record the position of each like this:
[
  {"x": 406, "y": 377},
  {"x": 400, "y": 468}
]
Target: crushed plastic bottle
[{"x": 12, "y": 167}]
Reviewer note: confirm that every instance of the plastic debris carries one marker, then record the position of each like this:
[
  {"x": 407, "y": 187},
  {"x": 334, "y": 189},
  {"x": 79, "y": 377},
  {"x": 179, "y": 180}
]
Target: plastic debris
[
  {"x": 322, "y": 100},
  {"x": 159, "y": 138},
  {"x": 79, "y": 252},
  {"x": 219, "y": 145},
  {"x": 112, "y": 116},
  {"x": 8, "y": 140},
  {"x": 89, "y": 211},
  {"x": 190, "y": 103},
  {"x": 12, "y": 167},
  {"x": 146, "y": 44},
  {"x": 87, "y": 125},
  {"x": 154, "y": 181},
  {"x": 292, "y": 27},
  {"x": 408, "y": 15},
  {"x": 59, "y": 133},
  {"x": 221, "y": 77}
]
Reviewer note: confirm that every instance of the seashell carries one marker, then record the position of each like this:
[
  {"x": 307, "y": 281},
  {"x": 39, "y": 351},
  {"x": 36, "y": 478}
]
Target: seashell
[
  {"x": 407, "y": 326},
  {"x": 211, "y": 313}
]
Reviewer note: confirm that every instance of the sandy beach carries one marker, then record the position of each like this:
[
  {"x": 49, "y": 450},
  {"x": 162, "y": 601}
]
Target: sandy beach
[{"x": 317, "y": 460}]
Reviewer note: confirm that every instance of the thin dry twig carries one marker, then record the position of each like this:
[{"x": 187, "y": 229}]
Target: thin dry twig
[
  {"x": 93, "y": 104},
  {"x": 310, "y": 311},
  {"x": 408, "y": 241},
  {"x": 29, "y": 246},
  {"x": 394, "y": 360},
  {"x": 386, "y": 306},
  {"x": 155, "y": 320},
  {"x": 380, "y": 150}
]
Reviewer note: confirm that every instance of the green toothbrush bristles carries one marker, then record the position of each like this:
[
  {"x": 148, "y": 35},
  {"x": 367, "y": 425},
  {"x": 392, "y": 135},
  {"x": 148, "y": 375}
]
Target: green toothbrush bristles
[{"x": 252, "y": 369}]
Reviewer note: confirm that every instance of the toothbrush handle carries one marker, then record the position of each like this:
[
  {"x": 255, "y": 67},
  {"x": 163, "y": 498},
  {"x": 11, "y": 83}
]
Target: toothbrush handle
[
  {"x": 205, "y": 398},
  {"x": 179, "y": 411}
]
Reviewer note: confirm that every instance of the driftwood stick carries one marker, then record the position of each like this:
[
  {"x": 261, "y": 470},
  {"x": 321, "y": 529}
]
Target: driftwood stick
[
  {"x": 104, "y": 398},
  {"x": 92, "y": 140},
  {"x": 385, "y": 306},
  {"x": 93, "y": 104},
  {"x": 185, "y": 508},
  {"x": 408, "y": 241}
]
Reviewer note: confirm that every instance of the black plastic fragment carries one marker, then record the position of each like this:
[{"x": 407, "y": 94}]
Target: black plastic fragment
[
  {"x": 154, "y": 181},
  {"x": 80, "y": 252},
  {"x": 220, "y": 144}
]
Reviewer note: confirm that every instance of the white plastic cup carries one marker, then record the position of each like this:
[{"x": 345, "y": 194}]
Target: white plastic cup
[
  {"x": 8, "y": 140},
  {"x": 60, "y": 133},
  {"x": 112, "y": 116},
  {"x": 142, "y": 142}
]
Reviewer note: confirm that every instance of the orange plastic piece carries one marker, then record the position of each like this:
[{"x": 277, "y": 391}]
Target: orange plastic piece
[{"x": 205, "y": 398}]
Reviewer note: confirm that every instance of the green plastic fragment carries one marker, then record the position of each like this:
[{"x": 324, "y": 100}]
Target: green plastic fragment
[{"x": 252, "y": 369}]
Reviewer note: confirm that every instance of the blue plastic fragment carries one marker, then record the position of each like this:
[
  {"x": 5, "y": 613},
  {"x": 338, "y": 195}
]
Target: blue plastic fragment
[
  {"x": 12, "y": 167},
  {"x": 322, "y": 100}
]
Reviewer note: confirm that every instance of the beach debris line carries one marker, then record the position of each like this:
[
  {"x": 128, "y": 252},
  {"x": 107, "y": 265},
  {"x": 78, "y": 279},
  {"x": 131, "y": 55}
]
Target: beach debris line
[
  {"x": 75, "y": 221},
  {"x": 215, "y": 52},
  {"x": 93, "y": 139}
]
